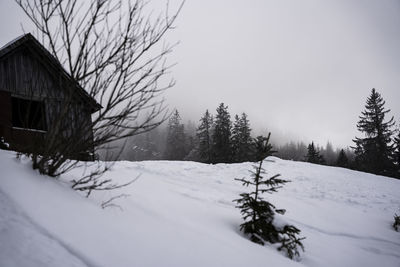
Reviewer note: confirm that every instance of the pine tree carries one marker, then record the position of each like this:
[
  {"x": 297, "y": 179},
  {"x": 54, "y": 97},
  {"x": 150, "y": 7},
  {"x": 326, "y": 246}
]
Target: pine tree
[
  {"x": 175, "y": 145},
  {"x": 204, "y": 138},
  {"x": 221, "y": 136},
  {"x": 313, "y": 155},
  {"x": 258, "y": 214},
  {"x": 374, "y": 152},
  {"x": 342, "y": 160},
  {"x": 235, "y": 139},
  {"x": 241, "y": 140}
]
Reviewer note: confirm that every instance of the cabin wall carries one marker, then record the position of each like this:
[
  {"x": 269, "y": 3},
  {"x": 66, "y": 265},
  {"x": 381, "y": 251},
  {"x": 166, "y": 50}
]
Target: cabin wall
[
  {"x": 5, "y": 115},
  {"x": 25, "y": 75}
]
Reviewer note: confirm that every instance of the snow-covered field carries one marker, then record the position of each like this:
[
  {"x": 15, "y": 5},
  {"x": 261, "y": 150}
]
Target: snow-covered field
[{"x": 182, "y": 214}]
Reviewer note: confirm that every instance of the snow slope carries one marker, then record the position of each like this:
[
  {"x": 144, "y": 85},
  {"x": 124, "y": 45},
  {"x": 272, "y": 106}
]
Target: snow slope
[{"x": 182, "y": 214}]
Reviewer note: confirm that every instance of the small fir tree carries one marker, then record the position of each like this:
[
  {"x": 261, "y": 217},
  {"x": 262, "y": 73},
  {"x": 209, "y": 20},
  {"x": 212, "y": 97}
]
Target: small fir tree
[
  {"x": 313, "y": 155},
  {"x": 204, "y": 133},
  {"x": 342, "y": 160},
  {"x": 374, "y": 151},
  {"x": 175, "y": 145},
  {"x": 221, "y": 136},
  {"x": 258, "y": 214}
]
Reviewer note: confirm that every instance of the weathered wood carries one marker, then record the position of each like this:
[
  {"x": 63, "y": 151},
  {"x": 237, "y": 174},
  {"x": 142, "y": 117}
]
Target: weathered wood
[
  {"x": 29, "y": 72},
  {"x": 5, "y": 115}
]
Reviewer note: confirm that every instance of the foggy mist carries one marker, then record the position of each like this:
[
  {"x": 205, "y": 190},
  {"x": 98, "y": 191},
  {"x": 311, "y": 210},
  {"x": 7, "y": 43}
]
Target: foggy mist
[{"x": 300, "y": 69}]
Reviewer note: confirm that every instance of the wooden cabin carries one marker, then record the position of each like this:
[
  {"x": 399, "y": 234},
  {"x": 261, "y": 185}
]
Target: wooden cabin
[{"x": 34, "y": 88}]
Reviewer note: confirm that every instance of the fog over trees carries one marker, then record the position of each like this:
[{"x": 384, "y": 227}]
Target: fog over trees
[{"x": 220, "y": 137}]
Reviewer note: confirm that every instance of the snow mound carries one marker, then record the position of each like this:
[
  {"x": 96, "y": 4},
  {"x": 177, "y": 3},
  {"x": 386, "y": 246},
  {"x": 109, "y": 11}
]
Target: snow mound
[{"x": 182, "y": 214}]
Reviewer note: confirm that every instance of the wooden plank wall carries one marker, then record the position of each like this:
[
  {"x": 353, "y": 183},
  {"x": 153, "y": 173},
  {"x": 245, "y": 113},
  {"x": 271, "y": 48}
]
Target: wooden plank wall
[{"x": 24, "y": 74}]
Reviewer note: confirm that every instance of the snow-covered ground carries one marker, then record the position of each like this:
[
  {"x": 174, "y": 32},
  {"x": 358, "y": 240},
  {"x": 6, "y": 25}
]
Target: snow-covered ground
[{"x": 182, "y": 214}]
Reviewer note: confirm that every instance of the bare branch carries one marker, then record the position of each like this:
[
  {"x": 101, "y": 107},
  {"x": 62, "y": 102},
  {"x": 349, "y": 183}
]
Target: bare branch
[{"x": 114, "y": 50}]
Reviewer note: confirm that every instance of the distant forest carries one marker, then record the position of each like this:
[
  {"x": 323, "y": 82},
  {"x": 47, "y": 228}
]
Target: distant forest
[
  {"x": 152, "y": 146},
  {"x": 219, "y": 138}
]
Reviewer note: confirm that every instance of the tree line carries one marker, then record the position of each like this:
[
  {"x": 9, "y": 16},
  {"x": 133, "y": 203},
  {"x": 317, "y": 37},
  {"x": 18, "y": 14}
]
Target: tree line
[
  {"x": 216, "y": 138},
  {"x": 376, "y": 151}
]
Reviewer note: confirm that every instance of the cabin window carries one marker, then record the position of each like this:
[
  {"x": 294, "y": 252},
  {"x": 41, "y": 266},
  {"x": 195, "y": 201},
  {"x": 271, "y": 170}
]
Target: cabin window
[{"x": 28, "y": 114}]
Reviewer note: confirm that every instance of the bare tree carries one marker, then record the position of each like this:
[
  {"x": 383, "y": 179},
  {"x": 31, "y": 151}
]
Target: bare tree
[{"x": 115, "y": 51}]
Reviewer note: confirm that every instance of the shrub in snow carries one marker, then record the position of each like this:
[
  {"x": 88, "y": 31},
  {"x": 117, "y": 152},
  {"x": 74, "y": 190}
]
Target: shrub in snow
[
  {"x": 396, "y": 224},
  {"x": 258, "y": 214}
]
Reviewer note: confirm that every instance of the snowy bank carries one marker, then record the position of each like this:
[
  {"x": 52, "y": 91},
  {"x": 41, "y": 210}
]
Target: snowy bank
[{"x": 182, "y": 214}]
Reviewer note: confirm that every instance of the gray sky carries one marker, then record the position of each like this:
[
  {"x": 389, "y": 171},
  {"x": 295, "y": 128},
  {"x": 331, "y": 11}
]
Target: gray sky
[{"x": 301, "y": 69}]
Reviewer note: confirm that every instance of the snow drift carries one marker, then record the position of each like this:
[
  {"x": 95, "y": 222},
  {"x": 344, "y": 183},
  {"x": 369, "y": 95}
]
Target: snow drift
[{"x": 182, "y": 214}]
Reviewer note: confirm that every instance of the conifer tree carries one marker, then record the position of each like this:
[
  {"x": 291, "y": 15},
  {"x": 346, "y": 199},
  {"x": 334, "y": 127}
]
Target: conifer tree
[
  {"x": 258, "y": 214},
  {"x": 221, "y": 136},
  {"x": 374, "y": 151},
  {"x": 241, "y": 140},
  {"x": 175, "y": 145},
  {"x": 204, "y": 133},
  {"x": 397, "y": 154},
  {"x": 342, "y": 160},
  {"x": 313, "y": 155},
  {"x": 235, "y": 138}
]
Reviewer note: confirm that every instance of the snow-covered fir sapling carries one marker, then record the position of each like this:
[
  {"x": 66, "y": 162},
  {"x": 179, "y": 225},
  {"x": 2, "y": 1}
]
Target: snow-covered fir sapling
[
  {"x": 258, "y": 214},
  {"x": 396, "y": 224}
]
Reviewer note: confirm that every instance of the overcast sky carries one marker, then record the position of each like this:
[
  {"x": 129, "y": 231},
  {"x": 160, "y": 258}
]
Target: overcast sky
[{"x": 301, "y": 69}]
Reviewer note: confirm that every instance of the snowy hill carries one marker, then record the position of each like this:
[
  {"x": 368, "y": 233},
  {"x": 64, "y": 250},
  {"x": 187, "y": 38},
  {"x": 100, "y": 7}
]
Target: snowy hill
[{"x": 182, "y": 214}]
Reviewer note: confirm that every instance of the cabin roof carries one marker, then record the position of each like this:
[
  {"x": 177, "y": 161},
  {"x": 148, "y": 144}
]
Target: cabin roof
[{"x": 31, "y": 42}]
